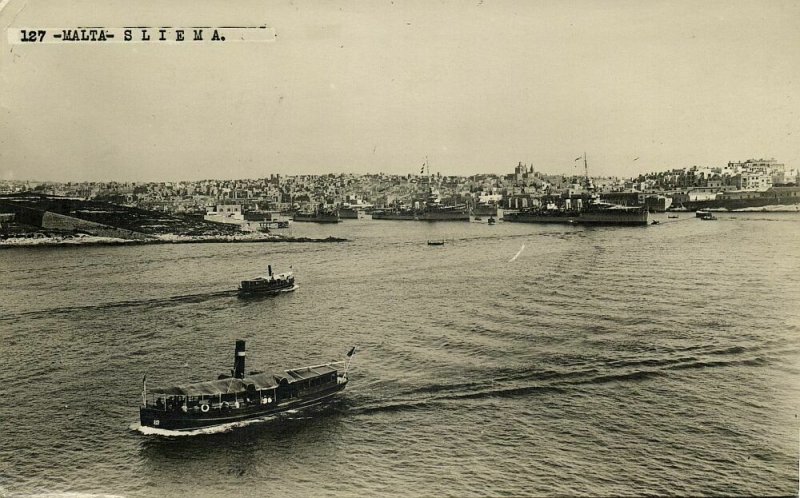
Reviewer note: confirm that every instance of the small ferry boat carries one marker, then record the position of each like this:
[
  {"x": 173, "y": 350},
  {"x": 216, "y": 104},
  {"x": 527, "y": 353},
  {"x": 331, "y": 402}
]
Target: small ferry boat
[
  {"x": 268, "y": 284},
  {"x": 238, "y": 397}
]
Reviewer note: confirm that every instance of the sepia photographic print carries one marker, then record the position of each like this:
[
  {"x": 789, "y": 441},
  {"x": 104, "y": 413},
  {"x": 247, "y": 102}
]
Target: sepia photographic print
[{"x": 399, "y": 248}]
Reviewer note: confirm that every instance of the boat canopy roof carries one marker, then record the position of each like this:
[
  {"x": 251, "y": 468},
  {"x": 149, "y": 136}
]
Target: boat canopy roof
[
  {"x": 276, "y": 276},
  {"x": 266, "y": 380}
]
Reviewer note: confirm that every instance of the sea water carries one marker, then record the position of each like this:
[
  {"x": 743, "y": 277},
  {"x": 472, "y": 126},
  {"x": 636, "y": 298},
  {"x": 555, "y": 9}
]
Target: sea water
[{"x": 516, "y": 359}]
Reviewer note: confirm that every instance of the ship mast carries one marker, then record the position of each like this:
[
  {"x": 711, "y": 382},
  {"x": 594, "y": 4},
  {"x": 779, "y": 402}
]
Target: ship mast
[{"x": 586, "y": 171}]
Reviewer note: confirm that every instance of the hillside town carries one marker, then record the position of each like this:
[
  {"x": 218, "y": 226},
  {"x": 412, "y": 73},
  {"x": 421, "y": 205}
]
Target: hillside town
[{"x": 517, "y": 190}]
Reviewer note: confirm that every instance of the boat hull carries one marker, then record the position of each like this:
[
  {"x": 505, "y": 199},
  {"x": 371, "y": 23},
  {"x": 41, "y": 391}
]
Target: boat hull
[
  {"x": 423, "y": 216},
  {"x": 266, "y": 292},
  {"x": 317, "y": 219},
  {"x": 177, "y": 420},
  {"x": 444, "y": 216},
  {"x": 401, "y": 216},
  {"x": 263, "y": 286},
  {"x": 350, "y": 214},
  {"x": 540, "y": 218},
  {"x": 629, "y": 217},
  {"x": 624, "y": 217}
]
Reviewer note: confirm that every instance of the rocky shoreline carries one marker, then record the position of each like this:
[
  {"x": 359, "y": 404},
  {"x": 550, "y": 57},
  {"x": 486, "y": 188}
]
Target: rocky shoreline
[{"x": 81, "y": 240}]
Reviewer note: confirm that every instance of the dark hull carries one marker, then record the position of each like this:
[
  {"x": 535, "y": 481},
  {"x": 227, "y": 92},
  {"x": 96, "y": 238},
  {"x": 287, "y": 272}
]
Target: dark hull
[
  {"x": 350, "y": 214},
  {"x": 444, "y": 216},
  {"x": 789, "y": 201},
  {"x": 317, "y": 219},
  {"x": 614, "y": 217},
  {"x": 266, "y": 291},
  {"x": 600, "y": 217},
  {"x": 393, "y": 216},
  {"x": 423, "y": 216},
  {"x": 484, "y": 210},
  {"x": 179, "y": 421},
  {"x": 540, "y": 218}
]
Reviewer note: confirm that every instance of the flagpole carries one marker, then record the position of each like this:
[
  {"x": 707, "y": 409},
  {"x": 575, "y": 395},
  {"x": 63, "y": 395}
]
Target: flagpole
[{"x": 350, "y": 355}]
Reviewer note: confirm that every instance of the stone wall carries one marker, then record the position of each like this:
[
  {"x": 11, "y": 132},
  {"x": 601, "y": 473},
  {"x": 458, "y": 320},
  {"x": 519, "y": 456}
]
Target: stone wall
[{"x": 54, "y": 221}]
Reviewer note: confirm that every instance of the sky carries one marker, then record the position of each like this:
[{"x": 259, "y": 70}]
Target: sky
[{"x": 379, "y": 86}]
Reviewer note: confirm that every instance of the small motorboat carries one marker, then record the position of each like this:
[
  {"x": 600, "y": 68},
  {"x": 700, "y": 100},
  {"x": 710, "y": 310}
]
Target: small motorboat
[{"x": 268, "y": 284}]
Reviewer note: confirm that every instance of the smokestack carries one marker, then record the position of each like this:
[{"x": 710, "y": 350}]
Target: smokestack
[
  {"x": 269, "y": 270},
  {"x": 238, "y": 360}
]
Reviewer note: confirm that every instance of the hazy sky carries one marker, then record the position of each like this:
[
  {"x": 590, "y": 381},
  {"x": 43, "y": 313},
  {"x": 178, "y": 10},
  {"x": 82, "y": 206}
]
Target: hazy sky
[{"x": 368, "y": 86}]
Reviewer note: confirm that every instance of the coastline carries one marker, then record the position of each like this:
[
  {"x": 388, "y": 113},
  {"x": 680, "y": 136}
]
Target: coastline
[{"x": 82, "y": 240}]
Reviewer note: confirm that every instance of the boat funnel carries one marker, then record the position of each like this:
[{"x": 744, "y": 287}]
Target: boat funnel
[{"x": 238, "y": 360}]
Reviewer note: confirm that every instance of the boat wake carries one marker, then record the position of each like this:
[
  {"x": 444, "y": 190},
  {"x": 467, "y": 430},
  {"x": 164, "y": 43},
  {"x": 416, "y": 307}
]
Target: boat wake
[
  {"x": 518, "y": 253},
  {"x": 217, "y": 429},
  {"x": 133, "y": 303}
]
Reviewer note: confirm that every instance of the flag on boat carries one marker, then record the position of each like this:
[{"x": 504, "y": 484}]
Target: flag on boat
[
  {"x": 422, "y": 169},
  {"x": 351, "y": 352}
]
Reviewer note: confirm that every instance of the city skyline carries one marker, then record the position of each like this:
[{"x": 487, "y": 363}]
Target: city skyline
[{"x": 366, "y": 88}]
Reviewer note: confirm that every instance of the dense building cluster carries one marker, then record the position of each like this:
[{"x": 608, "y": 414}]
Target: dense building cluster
[{"x": 286, "y": 193}]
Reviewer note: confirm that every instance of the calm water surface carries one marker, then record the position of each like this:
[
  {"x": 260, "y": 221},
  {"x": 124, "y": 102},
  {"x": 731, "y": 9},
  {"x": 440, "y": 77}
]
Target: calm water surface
[{"x": 609, "y": 361}]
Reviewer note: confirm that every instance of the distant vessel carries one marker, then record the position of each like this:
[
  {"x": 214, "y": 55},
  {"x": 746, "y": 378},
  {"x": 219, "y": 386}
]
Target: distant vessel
[
  {"x": 401, "y": 214},
  {"x": 431, "y": 210},
  {"x": 434, "y": 210},
  {"x": 268, "y": 284},
  {"x": 435, "y": 242},
  {"x": 238, "y": 397},
  {"x": 492, "y": 221},
  {"x": 605, "y": 213},
  {"x": 319, "y": 215},
  {"x": 583, "y": 209},
  {"x": 350, "y": 213},
  {"x": 776, "y": 198},
  {"x": 486, "y": 209},
  {"x": 701, "y": 213},
  {"x": 708, "y": 217}
]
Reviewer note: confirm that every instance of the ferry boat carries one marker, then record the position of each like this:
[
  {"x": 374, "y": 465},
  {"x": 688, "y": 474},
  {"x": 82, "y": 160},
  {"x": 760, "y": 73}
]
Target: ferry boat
[
  {"x": 268, "y": 284},
  {"x": 238, "y": 397}
]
